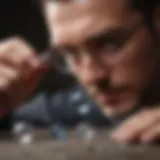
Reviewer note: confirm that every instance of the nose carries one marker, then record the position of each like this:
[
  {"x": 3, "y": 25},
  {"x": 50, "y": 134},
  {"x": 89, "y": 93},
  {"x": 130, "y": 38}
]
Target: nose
[{"x": 92, "y": 70}]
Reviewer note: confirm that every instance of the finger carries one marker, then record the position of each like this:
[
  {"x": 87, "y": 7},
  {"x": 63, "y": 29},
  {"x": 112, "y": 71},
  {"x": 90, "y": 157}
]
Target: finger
[
  {"x": 132, "y": 128},
  {"x": 17, "y": 53},
  {"x": 7, "y": 44},
  {"x": 8, "y": 72},
  {"x": 15, "y": 43},
  {"x": 19, "y": 59},
  {"x": 152, "y": 134},
  {"x": 40, "y": 70},
  {"x": 25, "y": 85},
  {"x": 9, "y": 83},
  {"x": 8, "y": 76}
]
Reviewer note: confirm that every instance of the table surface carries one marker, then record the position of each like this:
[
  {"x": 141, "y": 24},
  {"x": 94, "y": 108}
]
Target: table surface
[{"x": 100, "y": 148}]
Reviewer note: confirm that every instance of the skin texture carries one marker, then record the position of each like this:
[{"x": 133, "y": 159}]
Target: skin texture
[
  {"x": 111, "y": 52},
  {"x": 20, "y": 71},
  {"x": 115, "y": 72},
  {"x": 125, "y": 73}
]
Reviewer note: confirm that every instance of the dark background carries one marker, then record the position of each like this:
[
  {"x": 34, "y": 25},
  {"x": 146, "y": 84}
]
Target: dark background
[{"x": 24, "y": 18}]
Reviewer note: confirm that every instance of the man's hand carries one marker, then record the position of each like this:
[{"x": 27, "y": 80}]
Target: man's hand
[
  {"x": 20, "y": 71},
  {"x": 143, "y": 127}
]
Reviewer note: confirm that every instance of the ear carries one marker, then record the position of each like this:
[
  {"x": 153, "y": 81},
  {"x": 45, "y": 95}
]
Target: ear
[{"x": 156, "y": 19}]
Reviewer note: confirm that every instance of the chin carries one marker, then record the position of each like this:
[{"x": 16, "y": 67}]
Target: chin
[{"x": 118, "y": 110}]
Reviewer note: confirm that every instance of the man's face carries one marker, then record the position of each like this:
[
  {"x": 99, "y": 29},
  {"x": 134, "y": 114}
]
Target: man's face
[{"x": 108, "y": 48}]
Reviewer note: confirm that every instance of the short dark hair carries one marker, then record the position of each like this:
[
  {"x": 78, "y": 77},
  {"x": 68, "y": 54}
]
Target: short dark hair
[{"x": 147, "y": 8}]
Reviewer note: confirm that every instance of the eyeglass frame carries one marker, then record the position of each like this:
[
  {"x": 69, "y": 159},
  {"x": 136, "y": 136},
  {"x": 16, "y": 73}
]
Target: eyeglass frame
[{"x": 58, "y": 54}]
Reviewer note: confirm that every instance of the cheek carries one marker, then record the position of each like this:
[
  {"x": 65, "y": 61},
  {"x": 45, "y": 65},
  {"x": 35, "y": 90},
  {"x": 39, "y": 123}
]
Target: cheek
[{"x": 135, "y": 66}]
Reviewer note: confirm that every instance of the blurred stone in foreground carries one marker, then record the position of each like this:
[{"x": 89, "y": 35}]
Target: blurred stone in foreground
[
  {"x": 85, "y": 131},
  {"x": 59, "y": 132},
  {"x": 23, "y": 132},
  {"x": 100, "y": 148}
]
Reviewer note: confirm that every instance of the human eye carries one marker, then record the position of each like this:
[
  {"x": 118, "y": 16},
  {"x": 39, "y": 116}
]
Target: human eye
[
  {"x": 109, "y": 45},
  {"x": 113, "y": 45}
]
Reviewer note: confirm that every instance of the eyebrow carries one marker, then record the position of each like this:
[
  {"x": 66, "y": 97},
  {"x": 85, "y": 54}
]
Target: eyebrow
[
  {"x": 105, "y": 33},
  {"x": 56, "y": 1},
  {"x": 108, "y": 33},
  {"x": 117, "y": 31}
]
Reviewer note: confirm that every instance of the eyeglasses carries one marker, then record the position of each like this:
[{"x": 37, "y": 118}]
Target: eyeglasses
[{"x": 98, "y": 47}]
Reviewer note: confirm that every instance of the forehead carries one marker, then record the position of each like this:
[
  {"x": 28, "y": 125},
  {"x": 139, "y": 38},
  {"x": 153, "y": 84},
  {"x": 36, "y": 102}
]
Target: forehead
[{"x": 73, "y": 21}]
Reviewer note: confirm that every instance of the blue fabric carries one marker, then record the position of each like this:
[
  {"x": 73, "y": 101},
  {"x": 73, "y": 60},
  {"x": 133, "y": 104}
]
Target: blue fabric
[{"x": 68, "y": 107}]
